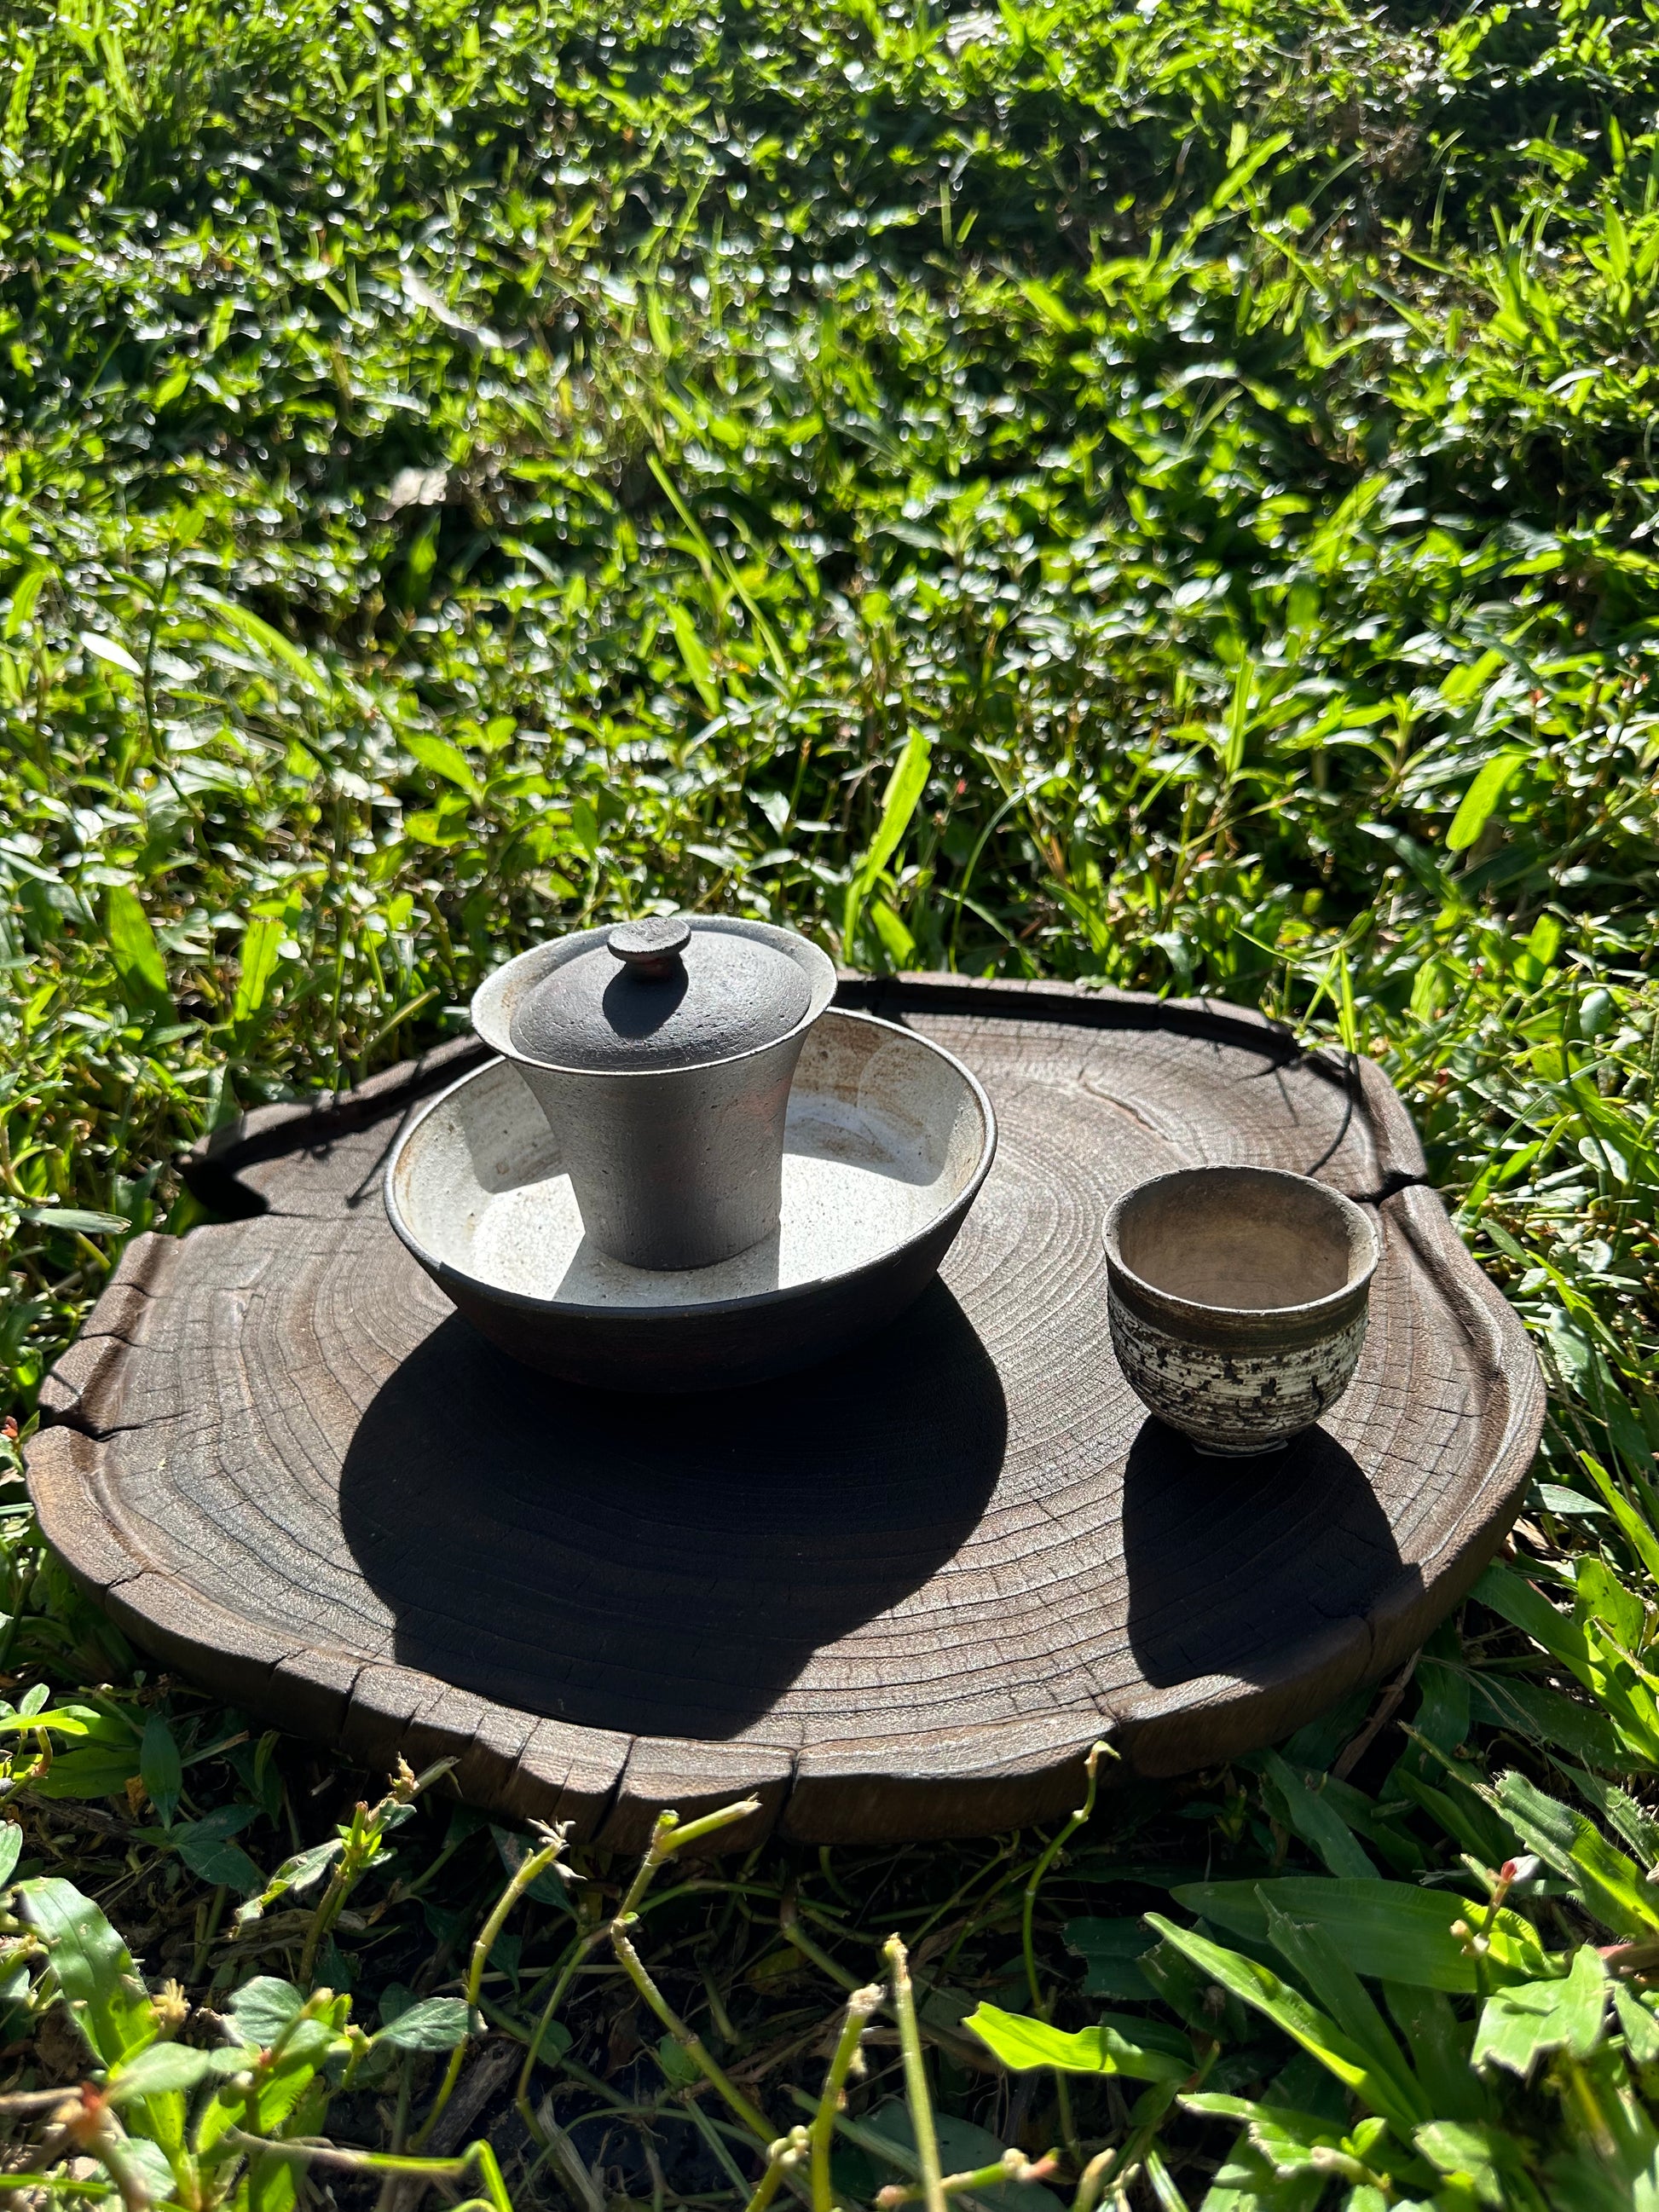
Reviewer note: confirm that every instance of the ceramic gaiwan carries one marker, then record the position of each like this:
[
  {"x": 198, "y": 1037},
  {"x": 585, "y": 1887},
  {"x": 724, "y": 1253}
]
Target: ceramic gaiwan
[{"x": 662, "y": 1052}]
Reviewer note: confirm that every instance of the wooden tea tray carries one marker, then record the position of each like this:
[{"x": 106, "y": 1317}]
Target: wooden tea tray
[{"x": 894, "y": 1597}]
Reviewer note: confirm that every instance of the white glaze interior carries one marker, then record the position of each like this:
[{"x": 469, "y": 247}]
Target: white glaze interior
[{"x": 885, "y": 1132}]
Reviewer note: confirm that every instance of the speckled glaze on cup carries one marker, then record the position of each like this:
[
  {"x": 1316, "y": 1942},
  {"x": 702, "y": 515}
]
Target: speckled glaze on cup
[{"x": 1237, "y": 1300}]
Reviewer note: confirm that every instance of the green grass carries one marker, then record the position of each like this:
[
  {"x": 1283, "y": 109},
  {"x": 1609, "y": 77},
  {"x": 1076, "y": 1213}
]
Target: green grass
[{"x": 1163, "y": 496}]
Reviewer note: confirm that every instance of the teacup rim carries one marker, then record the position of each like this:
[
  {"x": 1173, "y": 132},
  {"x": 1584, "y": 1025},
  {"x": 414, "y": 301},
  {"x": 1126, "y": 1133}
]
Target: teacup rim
[{"x": 1202, "y": 1310}]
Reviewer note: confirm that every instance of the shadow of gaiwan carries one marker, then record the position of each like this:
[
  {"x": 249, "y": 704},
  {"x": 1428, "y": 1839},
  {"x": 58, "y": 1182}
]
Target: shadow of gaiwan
[
  {"x": 1232, "y": 1564},
  {"x": 665, "y": 1566}
]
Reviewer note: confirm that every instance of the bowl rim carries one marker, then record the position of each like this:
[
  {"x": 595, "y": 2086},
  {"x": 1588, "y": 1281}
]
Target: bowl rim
[
  {"x": 1332, "y": 1304},
  {"x": 636, "y": 1316},
  {"x": 492, "y": 1021}
]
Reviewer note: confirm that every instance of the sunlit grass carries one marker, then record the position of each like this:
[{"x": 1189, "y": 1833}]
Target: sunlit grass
[{"x": 1186, "y": 472}]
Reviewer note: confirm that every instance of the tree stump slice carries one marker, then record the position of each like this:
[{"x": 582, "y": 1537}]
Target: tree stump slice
[{"x": 895, "y": 1597}]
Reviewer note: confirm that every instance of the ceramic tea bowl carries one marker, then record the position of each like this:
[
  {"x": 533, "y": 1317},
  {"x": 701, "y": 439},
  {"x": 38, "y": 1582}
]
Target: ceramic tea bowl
[
  {"x": 888, "y": 1141},
  {"x": 1237, "y": 1301},
  {"x": 662, "y": 1053}
]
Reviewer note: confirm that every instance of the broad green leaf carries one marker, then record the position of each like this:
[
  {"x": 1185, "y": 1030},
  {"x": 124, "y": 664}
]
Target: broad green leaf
[
  {"x": 1597, "y": 1011},
  {"x": 1620, "y": 1811},
  {"x": 1438, "y": 2043},
  {"x": 548, "y": 1889},
  {"x": 95, "y": 1968},
  {"x": 25, "y": 592},
  {"x": 109, "y": 650},
  {"x": 1110, "y": 1949},
  {"x": 1049, "y": 304},
  {"x": 1639, "y": 2027},
  {"x": 205, "y": 1847},
  {"x": 435, "y": 2024},
  {"x": 261, "y": 949},
  {"x": 899, "y": 802},
  {"x": 897, "y": 943},
  {"x": 1612, "y": 1884},
  {"x": 679, "y": 2069},
  {"x": 446, "y": 825},
  {"x": 1642, "y": 1538},
  {"x": 1518, "y": 2026},
  {"x": 443, "y": 759},
  {"x": 1476, "y": 809},
  {"x": 164, "y": 2067},
  {"x": 301, "y": 1871},
  {"x": 248, "y": 629},
  {"x": 1476, "y": 2155},
  {"x": 1464, "y": 1814},
  {"x": 1572, "y": 1724},
  {"x": 1331, "y": 1980},
  {"x": 1390, "y": 1930},
  {"x": 1246, "y": 2182},
  {"x": 106, "y": 1729},
  {"x": 1020, "y": 2043},
  {"x": 1582, "y": 1648},
  {"x": 288, "y": 2088},
  {"x": 262, "y": 2007},
  {"x": 1236, "y": 730},
  {"x": 11, "y": 1847},
  {"x": 72, "y": 1220},
  {"x": 153, "y": 2164},
  {"x": 62, "y": 1722},
  {"x": 133, "y": 950},
  {"x": 1240, "y": 171},
  {"x": 1305, "y": 1813},
  {"x": 160, "y": 1768},
  {"x": 1602, "y": 1597},
  {"x": 89, "y": 1771},
  {"x": 694, "y": 654},
  {"x": 1541, "y": 947},
  {"x": 298, "y": 1874},
  {"x": 1260, "y": 1988}
]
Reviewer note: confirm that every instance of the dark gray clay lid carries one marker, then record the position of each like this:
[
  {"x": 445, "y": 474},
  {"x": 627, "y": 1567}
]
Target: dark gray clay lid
[{"x": 661, "y": 993}]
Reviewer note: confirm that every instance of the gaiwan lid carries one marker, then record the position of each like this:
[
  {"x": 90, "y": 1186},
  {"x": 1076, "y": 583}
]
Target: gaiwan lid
[{"x": 661, "y": 993}]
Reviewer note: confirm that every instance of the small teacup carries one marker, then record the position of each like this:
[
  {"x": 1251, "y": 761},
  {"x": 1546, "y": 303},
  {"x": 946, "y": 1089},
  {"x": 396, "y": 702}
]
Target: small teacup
[{"x": 1237, "y": 1299}]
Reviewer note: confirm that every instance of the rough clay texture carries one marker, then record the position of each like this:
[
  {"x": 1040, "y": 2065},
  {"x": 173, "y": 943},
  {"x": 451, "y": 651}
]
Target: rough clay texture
[
  {"x": 674, "y": 1147},
  {"x": 1232, "y": 1400},
  {"x": 896, "y": 1596},
  {"x": 729, "y": 994}
]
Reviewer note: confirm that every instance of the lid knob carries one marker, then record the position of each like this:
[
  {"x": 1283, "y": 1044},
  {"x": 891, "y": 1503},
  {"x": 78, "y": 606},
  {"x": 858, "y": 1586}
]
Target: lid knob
[{"x": 650, "y": 949}]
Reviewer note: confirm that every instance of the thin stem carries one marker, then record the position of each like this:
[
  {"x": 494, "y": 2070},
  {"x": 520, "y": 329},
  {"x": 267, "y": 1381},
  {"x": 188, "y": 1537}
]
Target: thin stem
[
  {"x": 568, "y": 1974},
  {"x": 1092, "y": 2179},
  {"x": 785, "y": 2153},
  {"x": 215, "y": 1913},
  {"x": 859, "y": 2007},
  {"x": 1034, "y": 1880},
  {"x": 667, "y": 1838},
  {"x": 690, "y": 2042},
  {"x": 794, "y": 1933},
  {"x": 537, "y": 1863},
  {"x": 1013, "y": 2165},
  {"x": 915, "y": 2074},
  {"x": 1112, "y": 2169},
  {"x": 477, "y": 2157},
  {"x": 1027, "y": 1945}
]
